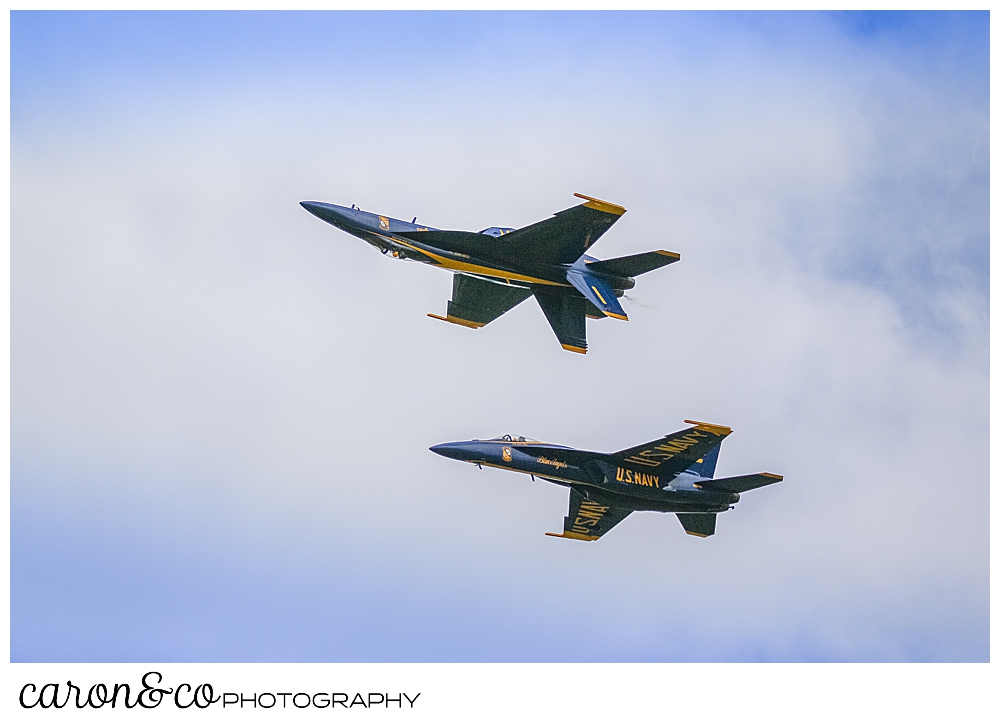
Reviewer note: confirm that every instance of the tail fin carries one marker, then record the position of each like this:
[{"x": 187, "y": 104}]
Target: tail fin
[
  {"x": 705, "y": 467},
  {"x": 567, "y": 315},
  {"x": 699, "y": 524},
  {"x": 597, "y": 291}
]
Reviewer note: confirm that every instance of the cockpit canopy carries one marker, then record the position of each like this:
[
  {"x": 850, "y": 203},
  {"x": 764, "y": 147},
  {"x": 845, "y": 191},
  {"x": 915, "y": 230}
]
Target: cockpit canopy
[
  {"x": 509, "y": 438},
  {"x": 496, "y": 231}
]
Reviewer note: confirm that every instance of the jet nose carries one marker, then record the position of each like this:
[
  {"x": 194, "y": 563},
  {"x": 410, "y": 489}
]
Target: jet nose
[
  {"x": 452, "y": 450},
  {"x": 336, "y": 215},
  {"x": 315, "y": 208}
]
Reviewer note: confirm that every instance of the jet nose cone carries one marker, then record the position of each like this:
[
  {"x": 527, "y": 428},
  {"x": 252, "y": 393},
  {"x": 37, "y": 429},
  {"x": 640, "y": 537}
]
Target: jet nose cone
[
  {"x": 451, "y": 450},
  {"x": 339, "y": 216},
  {"x": 312, "y": 207}
]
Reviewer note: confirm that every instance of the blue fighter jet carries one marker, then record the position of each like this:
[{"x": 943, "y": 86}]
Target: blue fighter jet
[
  {"x": 672, "y": 474},
  {"x": 498, "y": 268}
]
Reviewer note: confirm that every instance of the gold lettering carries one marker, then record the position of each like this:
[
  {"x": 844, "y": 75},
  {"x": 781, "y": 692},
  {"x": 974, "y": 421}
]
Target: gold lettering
[
  {"x": 628, "y": 475},
  {"x": 555, "y": 463},
  {"x": 644, "y": 462},
  {"x": 621, "y": 474},
  {"x": 656, "y": 481}
]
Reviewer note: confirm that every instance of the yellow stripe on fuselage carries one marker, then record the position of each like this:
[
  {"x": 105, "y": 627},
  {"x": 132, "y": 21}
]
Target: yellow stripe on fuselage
[
  {"x": 454, "y": 265},
  {"x": 535, "y": 474}
]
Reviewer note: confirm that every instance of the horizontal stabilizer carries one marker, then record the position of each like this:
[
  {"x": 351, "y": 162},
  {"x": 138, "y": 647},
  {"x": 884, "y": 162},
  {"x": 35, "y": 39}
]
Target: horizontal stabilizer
[
  {"x": 634, "y": 265},
  {"x": 697, "y": 523},
  {"x": 740, "y": 484}
]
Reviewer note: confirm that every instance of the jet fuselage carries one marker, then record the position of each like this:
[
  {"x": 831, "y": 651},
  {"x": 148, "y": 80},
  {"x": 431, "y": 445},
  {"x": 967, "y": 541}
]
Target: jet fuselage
[
  {"x": 482, "y": 256},
  {"x": 607, "y": 482}
]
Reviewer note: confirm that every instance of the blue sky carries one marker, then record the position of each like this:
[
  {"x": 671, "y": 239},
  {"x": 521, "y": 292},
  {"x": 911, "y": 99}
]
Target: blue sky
[{"x": 221, "y": 407}]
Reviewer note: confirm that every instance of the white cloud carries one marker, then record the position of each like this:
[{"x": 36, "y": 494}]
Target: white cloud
[{"x": 257, "y": 390}]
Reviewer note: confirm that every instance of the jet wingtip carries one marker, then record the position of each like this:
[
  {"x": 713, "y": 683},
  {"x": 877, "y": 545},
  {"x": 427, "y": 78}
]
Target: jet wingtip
[
  {"x": 599, "y": 205},
  {"x": 572, "y": 536},
  {"x": 461, "y": 322},
  {"x": 717, "y": 429}
]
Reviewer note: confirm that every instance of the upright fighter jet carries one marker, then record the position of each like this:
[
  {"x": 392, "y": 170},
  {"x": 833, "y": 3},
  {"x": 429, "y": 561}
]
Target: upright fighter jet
[
  {"x": 672, "y": 474},
  {"x": 498, "y": 268}
]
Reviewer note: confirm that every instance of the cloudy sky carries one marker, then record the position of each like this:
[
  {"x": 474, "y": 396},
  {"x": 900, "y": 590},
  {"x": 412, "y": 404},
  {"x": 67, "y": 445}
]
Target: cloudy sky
[{"x": 221, "y": 407}]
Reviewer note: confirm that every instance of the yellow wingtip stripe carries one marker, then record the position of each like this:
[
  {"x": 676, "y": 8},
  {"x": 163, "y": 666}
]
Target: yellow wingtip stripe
[
  {"x": 671, "y": 254},
  {"x": 777, "y": 477},
  {"x": 616, "y": 316},
  {"x": 460, "y": 322},
  {"x": 577, "y": 349},
  {"x": 572, "y": 536},
  {"x": 696, "y": 534},
  {"x": 599, "y": 205},
  {"x": 716, "y": 429}
]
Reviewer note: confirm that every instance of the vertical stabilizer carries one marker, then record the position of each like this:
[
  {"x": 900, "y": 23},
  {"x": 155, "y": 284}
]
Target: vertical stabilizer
[
  {"x": 697, "y": 523},
  {"x": 705, "y": 467}
]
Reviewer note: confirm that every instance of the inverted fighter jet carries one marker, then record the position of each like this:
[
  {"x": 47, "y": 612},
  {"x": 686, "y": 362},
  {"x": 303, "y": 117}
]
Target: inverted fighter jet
[
  {"x": 672, "y": 474},
  {"x": 498, "y": 268}
]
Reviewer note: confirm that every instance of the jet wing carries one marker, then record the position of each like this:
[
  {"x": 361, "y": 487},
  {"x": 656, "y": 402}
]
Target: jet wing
[
  {"x": 476, "y": 302},
  {"x": 674, "y": 453},
  {"x": 567, "y": 315},
  {"x": 742, "y": 483},
  {"x": 563, "y": 238},
  {"x": 588, "y": 520}
]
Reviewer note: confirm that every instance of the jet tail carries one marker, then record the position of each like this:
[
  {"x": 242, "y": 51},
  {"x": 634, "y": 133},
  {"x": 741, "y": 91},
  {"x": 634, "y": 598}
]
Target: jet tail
[
  {"x": 635, "y": 264},
  {"x": 705, "y": 467},
  {"x": 567, "y": 315},
  {"x": 597, "y": 291}
]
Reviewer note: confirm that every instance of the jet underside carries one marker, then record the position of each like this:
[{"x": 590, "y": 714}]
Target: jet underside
[{"x": 499, "y": 268}]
